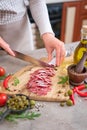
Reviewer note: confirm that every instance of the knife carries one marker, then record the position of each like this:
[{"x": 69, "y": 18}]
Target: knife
[{"x": 30, "y": 59}]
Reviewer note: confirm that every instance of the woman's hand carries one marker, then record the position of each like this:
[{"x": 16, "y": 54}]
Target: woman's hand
[
  {"x": 51, "y": 44},
  {"x": 6, "y": 47}
]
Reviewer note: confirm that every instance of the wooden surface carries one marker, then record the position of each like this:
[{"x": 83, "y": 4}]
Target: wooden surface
[{"x": 53, "y": 95}]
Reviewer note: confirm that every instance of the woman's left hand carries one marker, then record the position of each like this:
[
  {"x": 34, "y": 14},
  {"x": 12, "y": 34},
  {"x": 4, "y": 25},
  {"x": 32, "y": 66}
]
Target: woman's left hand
[{"x": 51, "y": 44}]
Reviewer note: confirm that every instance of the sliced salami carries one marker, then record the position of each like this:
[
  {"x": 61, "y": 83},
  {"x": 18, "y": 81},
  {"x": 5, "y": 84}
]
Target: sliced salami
[{"x": 40, "y": 81}]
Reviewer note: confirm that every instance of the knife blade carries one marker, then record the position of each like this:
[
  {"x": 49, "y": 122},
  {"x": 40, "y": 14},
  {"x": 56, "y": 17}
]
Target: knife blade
[{"x": 31, "y": 59}]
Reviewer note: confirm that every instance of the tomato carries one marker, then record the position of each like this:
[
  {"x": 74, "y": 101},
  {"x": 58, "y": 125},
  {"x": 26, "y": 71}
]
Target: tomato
[
  {"x": 3, "y": 99},
  {"x": 2, "y": 71}
]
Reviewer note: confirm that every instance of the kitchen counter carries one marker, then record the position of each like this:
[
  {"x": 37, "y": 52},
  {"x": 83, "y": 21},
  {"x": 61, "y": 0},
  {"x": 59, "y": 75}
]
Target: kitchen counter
[{"x": 53, "y": 116}]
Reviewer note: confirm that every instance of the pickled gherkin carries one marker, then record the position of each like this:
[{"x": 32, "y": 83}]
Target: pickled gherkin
[{"x": 82, "y": 46}]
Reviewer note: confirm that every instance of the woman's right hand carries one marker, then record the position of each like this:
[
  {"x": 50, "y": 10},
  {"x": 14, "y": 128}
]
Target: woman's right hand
[
  {"x": 6, "y": 47},
  {"x": 52, "y": 43}
]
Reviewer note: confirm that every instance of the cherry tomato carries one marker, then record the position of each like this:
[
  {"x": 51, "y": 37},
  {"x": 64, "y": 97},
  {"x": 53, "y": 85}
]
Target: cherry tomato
[
  {"x": 2, "y": 71},
  {"x": 3, "y": 99}
]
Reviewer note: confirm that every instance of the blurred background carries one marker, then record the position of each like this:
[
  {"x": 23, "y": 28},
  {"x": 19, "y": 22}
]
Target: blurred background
[{"x": 66, "y": 17}]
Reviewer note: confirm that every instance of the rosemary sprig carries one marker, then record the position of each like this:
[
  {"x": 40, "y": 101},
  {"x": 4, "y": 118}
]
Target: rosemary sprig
[{"x": 24, "y": 115}]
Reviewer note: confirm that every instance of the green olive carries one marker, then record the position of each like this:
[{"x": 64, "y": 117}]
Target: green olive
[
  {"x": 32, "y": 103},
  {"x": 70, "y": 92},
  {"x": 69, "y": 102}
]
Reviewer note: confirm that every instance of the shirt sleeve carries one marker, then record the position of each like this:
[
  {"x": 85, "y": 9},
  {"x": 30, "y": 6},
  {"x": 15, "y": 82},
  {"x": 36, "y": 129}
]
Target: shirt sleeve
[{"x": 40, "y": 15}]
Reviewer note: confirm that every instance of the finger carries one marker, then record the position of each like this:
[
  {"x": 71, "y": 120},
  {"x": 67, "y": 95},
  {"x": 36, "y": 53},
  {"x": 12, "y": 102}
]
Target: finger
[
  {"x": 62, "y": 55},
  {"x": 10, "y": 51},
  {"x": 58, "y": 57},
  {"x": 62, "y": 59},
  {"x": 7, "y": 48},
  {"x": 49, "y": 56}
]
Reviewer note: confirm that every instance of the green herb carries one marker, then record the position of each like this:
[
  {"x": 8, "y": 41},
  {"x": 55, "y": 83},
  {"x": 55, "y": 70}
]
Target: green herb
[
  {"x": 3, "y": 77},
  {"x": 8, "y": 89},
  {"x": 1, "y": 112},
  {"x": 16, "y": 81},
  {"x": 63, "y": 79},
  {"x": 25, "y": 115}
]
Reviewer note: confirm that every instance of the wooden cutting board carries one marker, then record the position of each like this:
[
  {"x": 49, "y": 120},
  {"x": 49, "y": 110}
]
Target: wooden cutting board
[{"x": 24, "y": 74}]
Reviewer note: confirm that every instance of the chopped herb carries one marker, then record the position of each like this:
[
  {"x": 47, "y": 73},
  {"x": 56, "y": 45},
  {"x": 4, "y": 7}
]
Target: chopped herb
[
  {"x": 63, "y": 79},
  {"x": 8, "y": 89},
  {"x": 16, "y": 81}
]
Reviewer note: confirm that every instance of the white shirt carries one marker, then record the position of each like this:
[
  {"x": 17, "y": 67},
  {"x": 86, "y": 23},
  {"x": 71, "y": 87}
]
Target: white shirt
[{"x": 14, "y": 10}]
